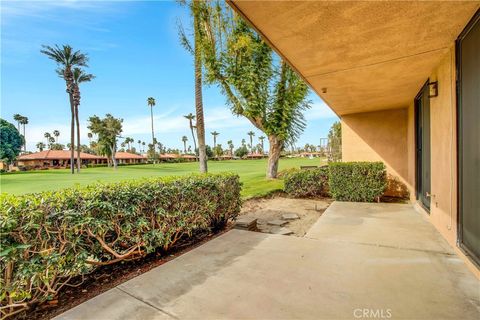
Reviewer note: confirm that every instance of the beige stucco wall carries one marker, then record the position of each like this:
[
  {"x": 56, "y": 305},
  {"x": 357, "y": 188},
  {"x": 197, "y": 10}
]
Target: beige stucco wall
[
  {"x": 389, "y": 136},
  {"x": 443, "y": 212},
  {"x": 379, "y": 136}
]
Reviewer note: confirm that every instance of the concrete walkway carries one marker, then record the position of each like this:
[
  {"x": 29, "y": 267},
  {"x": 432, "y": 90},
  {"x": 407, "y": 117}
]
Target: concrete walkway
[{"x": 358, "y": 261}]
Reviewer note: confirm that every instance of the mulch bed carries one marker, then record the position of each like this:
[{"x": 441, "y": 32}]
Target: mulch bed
[{"x": 108, "y": 277}]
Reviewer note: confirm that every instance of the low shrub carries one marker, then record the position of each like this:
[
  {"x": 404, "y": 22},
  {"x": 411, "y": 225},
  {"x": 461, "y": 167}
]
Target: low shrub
[
  {"x": 306, "y": 183},
  {"x": 51, "y": 237},
  {"x": 357, "y": 181}
]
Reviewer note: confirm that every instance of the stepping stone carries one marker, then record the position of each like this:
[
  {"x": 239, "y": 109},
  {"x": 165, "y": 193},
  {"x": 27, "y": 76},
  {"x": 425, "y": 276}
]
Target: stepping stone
[
  {"x": 277, "y": 222},
  {"x": 290, "y": 216},
  {"x": 282, "y": 231},
  {"x": 246, "y": 223}
]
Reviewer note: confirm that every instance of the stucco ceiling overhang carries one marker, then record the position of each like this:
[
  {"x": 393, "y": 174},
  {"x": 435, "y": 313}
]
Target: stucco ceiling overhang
[{"x": 369, "y": 55}]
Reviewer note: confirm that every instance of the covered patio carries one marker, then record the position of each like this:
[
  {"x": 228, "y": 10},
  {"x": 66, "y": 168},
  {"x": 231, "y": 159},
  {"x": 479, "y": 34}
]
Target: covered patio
[{"x": 359, "y": 260}]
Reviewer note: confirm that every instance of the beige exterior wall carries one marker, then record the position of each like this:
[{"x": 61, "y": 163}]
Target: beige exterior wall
[
  {"x": 379, "y": 136},
  {"x": 389, "y": 136},
  {"x": 443, "y": 212}
]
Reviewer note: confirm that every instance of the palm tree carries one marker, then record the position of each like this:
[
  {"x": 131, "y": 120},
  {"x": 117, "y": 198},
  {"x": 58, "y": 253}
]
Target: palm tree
[
  {"x": 79, "y": 76},
  {"x": 56, "y": 133},
  {"x": 251, "y": 134},
  {"x": 160, "y": 147},
  {"x": 151, "y": 104},
  {"x": 17, "y": 117},
  {"x": 23, "y": 122},
  {"x": 261, "y": 138},
  {"x": 40, "y": 146},
  {"x": 243, "y": 142},
  {"x": 143, "y": 144},
  {"x": 196, "y": 50},
  {"x": 230, "y": 146},
  {"x": 190, "y": 118},
  {"x": 128, "y": 141},
  {"x": 66, "y": 58},
  {"x": 47, "y": 136},
  {"x": 139, "y": 145},
  {"x": 51, "y": 141},
  {"x": 184, "y": 139},
  {"x": 90, "y": 136},
  {"x": 214, "y": 134}
]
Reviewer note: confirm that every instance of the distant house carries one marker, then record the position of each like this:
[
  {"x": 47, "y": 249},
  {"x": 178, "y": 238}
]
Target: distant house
[
  {"x": 255, "y": 156},
  {"x": 61, "y": 159},
  {"x": 174, "y": 156},
  {"x": 189, "y": 157},
  {"x": 225, "y": 157},
  {"x": 310, "y": 154},
  {"x": 55, "y": 159},
  {"x": 129, "y": 158}
]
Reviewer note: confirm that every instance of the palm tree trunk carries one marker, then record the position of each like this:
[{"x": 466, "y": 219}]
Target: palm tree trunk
[
  {"x": 202, "y": 155},
  {"x": 24, "y": 140},
  {"x": 273, "y": 156},
  {"x": 151, "y": 117},
  {"x": 193, "y": 136},
  {"x": 77, "y": 122},
  {"x": 72, "y": 135}
]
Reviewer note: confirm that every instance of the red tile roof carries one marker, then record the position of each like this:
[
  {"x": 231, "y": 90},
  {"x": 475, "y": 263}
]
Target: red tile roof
[
  {"x": 65, "y": 155},
  {"x": 128, "y": 155},
  {"x": 169, "y": 156},
  {"x": 56, "y": 155}
]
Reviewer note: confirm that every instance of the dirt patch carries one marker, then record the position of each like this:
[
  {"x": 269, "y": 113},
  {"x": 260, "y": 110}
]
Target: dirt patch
[{"x": 270, "y": 209}]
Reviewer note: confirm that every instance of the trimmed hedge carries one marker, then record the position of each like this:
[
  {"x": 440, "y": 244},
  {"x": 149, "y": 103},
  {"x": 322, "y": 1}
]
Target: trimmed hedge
[
  {"x": 345, "y": 181},
  {"x": 357, "y": 181},
  {"x": 307, "y": 183},
  {"x": 49, "y": 238}
]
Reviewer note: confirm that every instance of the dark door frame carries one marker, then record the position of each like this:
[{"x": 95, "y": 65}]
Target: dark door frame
[
  {"x": 458, "y": 63},
  {"x": 418, "y": 155}
]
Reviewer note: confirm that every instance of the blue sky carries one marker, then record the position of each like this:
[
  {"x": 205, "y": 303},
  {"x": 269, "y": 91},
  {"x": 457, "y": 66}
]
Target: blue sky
[{"x": 134, "y": 52}]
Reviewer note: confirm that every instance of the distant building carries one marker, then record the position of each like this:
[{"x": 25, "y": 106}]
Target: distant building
[
  {"x": 166, "y": 157},
  {"x": 61, "y": 159},
  {"x": 311, "y": 154},
  {"x": 129, "y": 158},
  {"x": 255, "y": 156}
]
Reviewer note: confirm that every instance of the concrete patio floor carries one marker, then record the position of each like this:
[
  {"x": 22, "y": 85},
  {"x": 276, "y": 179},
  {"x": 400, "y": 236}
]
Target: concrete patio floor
[{"x": 358, "y": 261}]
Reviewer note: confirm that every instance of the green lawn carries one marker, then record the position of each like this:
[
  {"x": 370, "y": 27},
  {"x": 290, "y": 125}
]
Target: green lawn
[{"x": 252, "y": 174}]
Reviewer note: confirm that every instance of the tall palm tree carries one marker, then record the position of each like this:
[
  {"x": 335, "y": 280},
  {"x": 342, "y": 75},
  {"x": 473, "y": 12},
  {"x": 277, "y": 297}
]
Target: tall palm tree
[
  {"x": 139, "y": 145},
  {"x": 214, "y": 134},
  {"x": 160, "y": 147},
  {"x": 47, "y": 136},
  {"x": 79, "y": 76},
  {"x": 56, "y": 133},
  {"x": 143, "y": 148},
  {"x": 190, "y": 118},
  {"x": 17, "y": 117},
  {"x": 251, "y": 134},
  {"x": 151, "y": 104},
  {"x": 23, "y": 122},
  {"x": 40, "y": 146},
  {"x": 66, "y": 58},
  {"x": 261, "y": 138},
  {"x": 230, "y": 146},
  {"x": 184, "y": 140},
  {"x": 51, "y": 141},
  {"x": 196, "y": 8}
]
